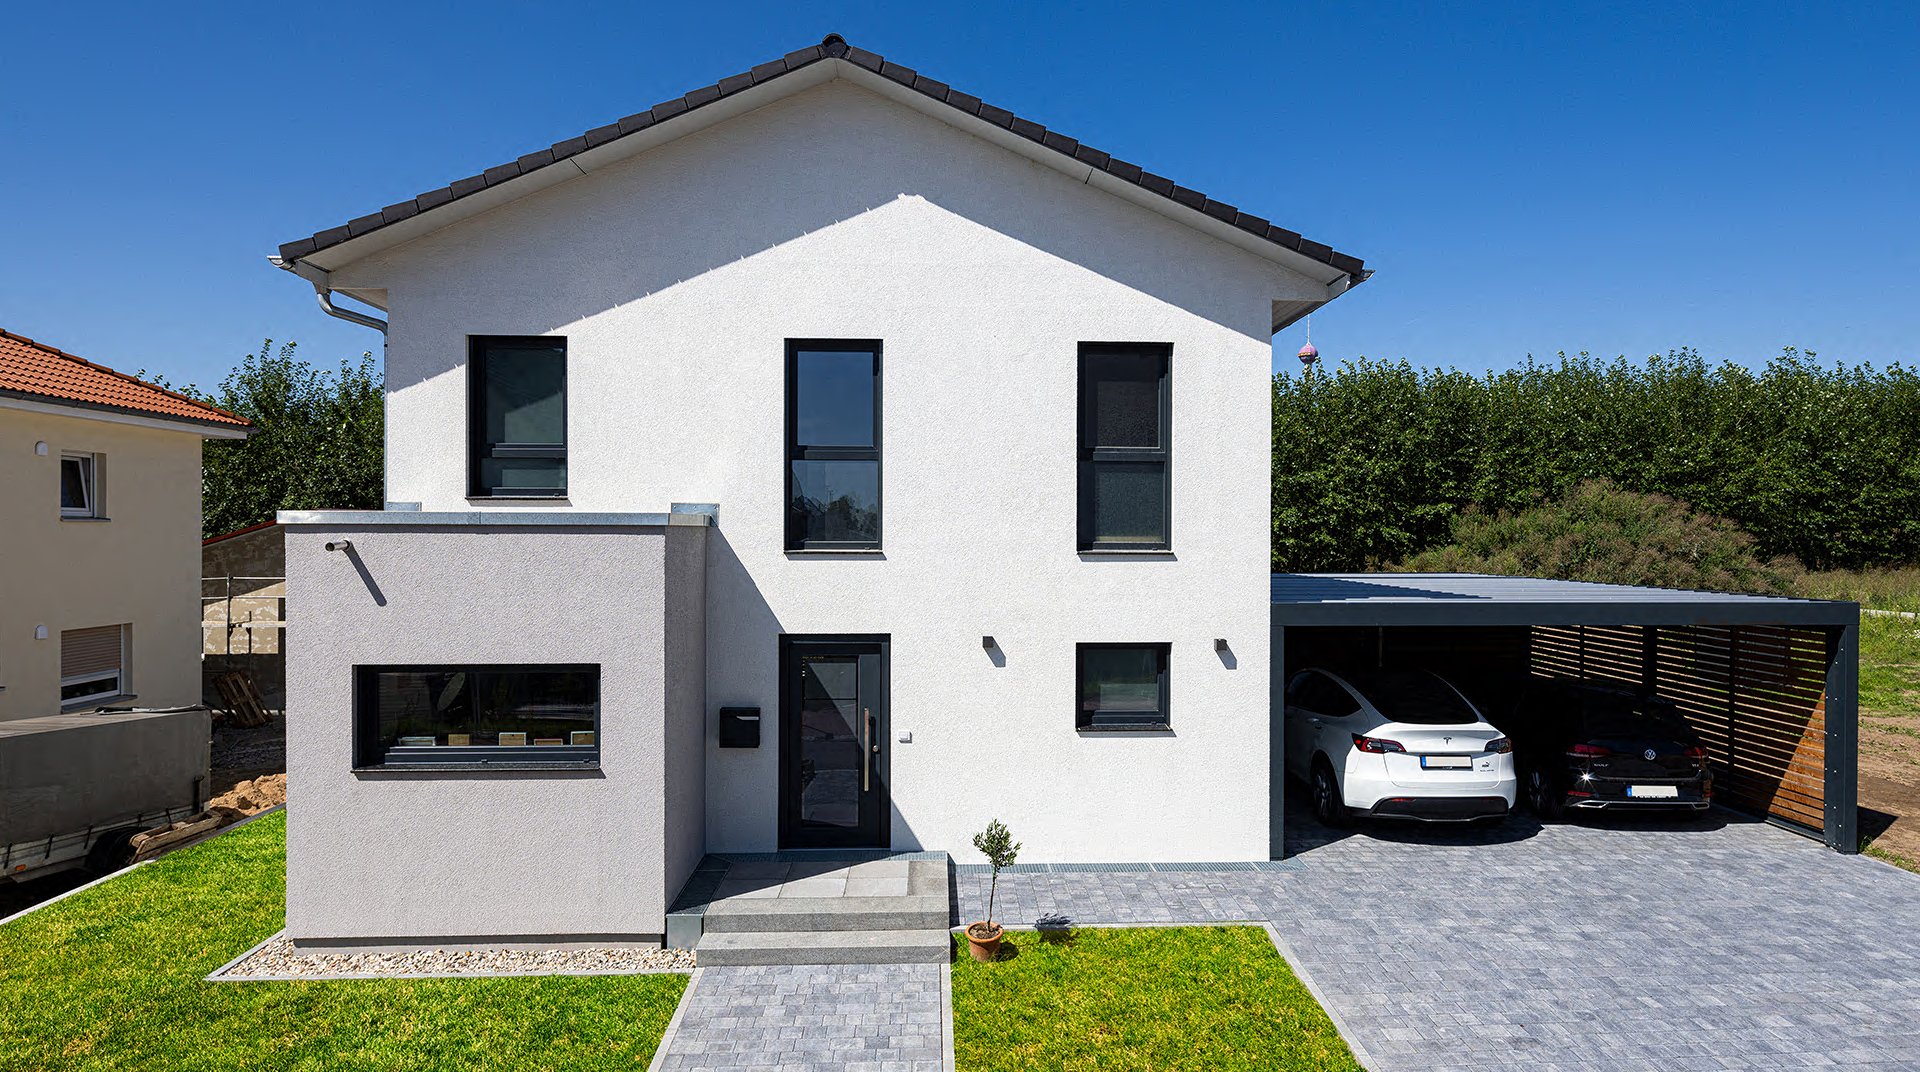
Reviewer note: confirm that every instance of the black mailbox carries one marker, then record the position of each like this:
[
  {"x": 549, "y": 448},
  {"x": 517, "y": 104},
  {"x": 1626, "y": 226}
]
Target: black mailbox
[{"x": 739, "y": 727}]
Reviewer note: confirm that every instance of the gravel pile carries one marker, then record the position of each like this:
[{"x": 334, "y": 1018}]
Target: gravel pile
[{"x": 277, "y": 957}]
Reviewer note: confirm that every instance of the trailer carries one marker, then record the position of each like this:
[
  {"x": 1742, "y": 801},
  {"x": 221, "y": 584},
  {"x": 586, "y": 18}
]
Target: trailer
[{"x": 74, "y": 789}]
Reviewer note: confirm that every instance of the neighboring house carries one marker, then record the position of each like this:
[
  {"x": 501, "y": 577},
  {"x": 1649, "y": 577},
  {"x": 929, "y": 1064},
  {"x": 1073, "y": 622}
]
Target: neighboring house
[
  {"x": 823, "y": 459},
  {"x": 243, "y": 604},
  {"x": 99, "y": 565}
]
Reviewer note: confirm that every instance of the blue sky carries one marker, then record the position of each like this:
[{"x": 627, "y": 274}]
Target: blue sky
[{"x": 1528, "y": 178}]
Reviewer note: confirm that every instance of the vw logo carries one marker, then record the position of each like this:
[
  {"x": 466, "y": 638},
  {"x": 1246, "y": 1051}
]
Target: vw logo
[{"x": 1649, "y": 753}]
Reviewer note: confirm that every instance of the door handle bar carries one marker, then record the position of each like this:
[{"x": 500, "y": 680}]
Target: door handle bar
[{"x": 866, "y": 753}]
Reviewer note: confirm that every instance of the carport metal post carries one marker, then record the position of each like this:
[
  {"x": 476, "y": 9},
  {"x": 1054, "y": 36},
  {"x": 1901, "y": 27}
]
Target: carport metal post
[
  {"x": 1277, "y": 744},
  {"x": 1843, "y": 736}
]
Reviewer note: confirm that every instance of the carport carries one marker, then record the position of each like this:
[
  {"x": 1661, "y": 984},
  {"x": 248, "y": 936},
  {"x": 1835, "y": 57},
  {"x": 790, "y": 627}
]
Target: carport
[{"x": 1770, "y": 684}]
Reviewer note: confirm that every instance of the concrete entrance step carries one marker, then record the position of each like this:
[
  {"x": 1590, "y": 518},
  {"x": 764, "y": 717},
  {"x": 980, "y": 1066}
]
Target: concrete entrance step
[
  {"x": 734, "y": 948},
  {"x": 831, "y": 914}
]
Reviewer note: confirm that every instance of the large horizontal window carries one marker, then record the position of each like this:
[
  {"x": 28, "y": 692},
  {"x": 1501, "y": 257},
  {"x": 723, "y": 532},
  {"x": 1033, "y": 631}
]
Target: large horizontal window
[
  {"x": 518, "y": 416},
  {"x": 1125, "y": 409},
  {"x": 1122, "y": 687},
  {"x": 833, "y": 444},
  {"x": 506, "y": 716}
]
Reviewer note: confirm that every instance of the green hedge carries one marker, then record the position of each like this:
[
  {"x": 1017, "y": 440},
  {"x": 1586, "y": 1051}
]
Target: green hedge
[{"x": 1371, "y": 462}]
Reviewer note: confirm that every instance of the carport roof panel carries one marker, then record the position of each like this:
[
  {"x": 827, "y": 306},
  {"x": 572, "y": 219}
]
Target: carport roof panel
[{"x": 1466, "y": 599}]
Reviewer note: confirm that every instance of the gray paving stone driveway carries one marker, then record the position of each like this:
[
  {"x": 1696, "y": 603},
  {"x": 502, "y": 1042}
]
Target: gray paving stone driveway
[
  {"x": 1613, "y": 944},
  {"x": 848, "y": 1018}
]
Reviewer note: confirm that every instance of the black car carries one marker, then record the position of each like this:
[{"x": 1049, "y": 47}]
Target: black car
[{"x": 1592, "y": 746}]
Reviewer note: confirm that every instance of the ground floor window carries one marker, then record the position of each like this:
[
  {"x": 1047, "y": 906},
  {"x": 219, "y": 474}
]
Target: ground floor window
[
  {"x": 1122, "y": 687},
  {"x": 93, "y": 665},
  {"x": 477, "y": 715}
]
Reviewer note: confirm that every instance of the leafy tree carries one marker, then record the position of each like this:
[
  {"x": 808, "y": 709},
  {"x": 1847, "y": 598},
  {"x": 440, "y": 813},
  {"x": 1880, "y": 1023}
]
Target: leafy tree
[
  {"x": 318, "y": 440},
  {"x": 1601, "y": 532}
]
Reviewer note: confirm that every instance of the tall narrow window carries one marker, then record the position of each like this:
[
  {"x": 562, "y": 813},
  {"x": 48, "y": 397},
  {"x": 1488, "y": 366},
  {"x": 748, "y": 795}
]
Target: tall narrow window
[
  {"x": 833, "y": 444},
  {"x": 517, "y": 410},
  {"x": 1125, "y": 409},
  {"x": 78, "y": 494}
]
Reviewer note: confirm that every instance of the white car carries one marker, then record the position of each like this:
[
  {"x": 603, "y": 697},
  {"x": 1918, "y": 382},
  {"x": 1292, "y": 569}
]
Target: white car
[{"x": 1398, "y": 743}]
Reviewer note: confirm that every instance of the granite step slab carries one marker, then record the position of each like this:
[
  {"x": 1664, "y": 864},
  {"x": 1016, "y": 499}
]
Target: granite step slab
[
  {"x": 826, "y": 914},
  {"x": 738, "y": 948}
]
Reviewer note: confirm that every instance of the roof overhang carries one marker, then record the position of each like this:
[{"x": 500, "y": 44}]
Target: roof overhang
[
  {"x": 1468, "y": 600},
  {"x": 100, "y": 411}
]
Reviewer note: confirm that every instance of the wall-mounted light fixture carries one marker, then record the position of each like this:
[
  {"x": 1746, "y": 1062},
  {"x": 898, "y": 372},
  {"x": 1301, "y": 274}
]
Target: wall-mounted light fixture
[
  {"x": 39, "y": 632},
  {"x": 987, "y": 643},
  {"x": 40, "y": 448},
  {"x": 340, "y": 545},
  {"x": 1219, "y": 643}
]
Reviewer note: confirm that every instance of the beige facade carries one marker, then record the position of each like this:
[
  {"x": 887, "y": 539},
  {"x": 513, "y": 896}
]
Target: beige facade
[{"x": 135, "y": 565}]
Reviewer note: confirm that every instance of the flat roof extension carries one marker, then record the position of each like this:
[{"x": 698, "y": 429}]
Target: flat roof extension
[{"x": 1478, "y": 599}]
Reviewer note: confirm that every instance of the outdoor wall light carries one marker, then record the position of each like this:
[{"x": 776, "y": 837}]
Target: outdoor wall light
[
  {"x": 340, "y": 545},
  {"x": 1219, "y": 643},
  {"x": 39, "y": 632},
  {"x": 40, "y": 448},
  {"x": 987, "y": 643}
]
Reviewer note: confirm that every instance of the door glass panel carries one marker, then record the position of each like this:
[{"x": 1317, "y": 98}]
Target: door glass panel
[
  {"x": 836, "y": 502},
  {"x": 1129, "y": 502},
  {"x": 829, "y": 741},
  {"x": 834, "y": 399}
]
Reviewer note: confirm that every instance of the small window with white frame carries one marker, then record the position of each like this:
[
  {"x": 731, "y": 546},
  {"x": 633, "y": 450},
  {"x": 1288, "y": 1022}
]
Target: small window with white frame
[
  {"x": 79, "y": 486},
  {"x": 93, "y": 666}
]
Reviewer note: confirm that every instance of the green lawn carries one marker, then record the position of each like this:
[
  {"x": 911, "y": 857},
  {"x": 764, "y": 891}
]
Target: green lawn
[
  {"x": 1160, "y": 999},
  {"x": 112, "y": 979}
]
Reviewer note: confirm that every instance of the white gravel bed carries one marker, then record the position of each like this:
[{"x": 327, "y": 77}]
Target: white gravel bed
[{"x": 276, "y": 959}]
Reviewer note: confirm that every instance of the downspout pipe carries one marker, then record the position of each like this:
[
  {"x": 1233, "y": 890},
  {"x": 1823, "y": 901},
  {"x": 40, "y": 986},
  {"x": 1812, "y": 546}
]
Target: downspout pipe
[{"x": 319, "y": 278}]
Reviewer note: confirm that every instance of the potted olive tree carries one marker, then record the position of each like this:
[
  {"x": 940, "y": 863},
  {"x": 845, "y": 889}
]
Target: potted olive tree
[{"x": 998, "y": 846}]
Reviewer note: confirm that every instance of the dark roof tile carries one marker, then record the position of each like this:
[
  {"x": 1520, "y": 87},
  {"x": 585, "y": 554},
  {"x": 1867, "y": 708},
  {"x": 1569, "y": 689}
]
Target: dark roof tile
[{"x": 833, "y": 46}]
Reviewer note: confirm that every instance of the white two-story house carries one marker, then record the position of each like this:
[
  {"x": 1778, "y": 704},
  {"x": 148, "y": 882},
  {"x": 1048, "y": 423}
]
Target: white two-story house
[{"x": 826, "y": 458}]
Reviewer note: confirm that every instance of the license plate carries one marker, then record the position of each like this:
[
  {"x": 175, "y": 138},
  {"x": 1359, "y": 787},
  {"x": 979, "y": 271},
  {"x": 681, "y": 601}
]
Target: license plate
[
  {"x": 1668, "y": 791},
  {"x": 1446, "y": 762}
]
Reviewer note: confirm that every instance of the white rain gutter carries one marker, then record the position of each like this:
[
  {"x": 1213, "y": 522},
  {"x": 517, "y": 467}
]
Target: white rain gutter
[{"x": 319, "y": 278}]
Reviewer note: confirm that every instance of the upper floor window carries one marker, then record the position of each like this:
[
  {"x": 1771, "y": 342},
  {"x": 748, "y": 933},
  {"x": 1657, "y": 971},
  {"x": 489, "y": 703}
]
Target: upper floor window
[
  {"x": 1125, "y": 412},
  {"x": 517, "y": 412},
  {"x": 79, "y": 486},
  {"x": 833, "y": 444}
]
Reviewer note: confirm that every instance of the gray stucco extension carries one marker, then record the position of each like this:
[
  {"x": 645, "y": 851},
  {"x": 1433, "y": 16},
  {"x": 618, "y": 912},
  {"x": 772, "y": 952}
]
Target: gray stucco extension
[{"x": 461, "y": 854}]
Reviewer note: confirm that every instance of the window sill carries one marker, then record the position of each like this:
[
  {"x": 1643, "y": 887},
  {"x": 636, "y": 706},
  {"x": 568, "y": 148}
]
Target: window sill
[
  {"x": 90, "y": 703},
  {"x": 468, "y": 768},
  {"x": 843, "y": 552},
  {"x": 1143, "y": 727},
  {"x": 554, "y": 500},
  {"x": 86, "y": 519},
  {"x": 1126, "y": 552}
]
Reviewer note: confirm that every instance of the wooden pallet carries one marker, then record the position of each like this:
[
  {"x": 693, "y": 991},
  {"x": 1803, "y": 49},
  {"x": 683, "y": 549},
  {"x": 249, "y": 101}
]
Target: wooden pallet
[{"x": 242, "y": 699}]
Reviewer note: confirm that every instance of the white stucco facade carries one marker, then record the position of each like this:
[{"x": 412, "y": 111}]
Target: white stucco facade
[{"x": 676, "y": 277}]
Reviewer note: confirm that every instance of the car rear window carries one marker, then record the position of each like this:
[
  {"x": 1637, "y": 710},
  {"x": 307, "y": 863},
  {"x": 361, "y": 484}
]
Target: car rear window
[
  {"x": 1419, "y": 698},
  {"x": 1627, "y": 719}
]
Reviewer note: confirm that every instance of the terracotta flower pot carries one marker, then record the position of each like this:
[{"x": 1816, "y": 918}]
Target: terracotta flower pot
[{"x": 983, "y": 940}]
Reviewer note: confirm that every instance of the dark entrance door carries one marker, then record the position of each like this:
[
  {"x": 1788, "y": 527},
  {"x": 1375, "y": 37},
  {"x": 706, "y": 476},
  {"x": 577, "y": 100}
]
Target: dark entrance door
[{"x": 833, "y": 752}]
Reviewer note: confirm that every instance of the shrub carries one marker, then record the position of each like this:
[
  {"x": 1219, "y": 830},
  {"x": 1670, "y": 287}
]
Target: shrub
[{"x": 1601, "y": 532}]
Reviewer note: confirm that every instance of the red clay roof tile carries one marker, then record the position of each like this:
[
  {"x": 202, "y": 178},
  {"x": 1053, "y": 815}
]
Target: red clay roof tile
[{"x": 32, "y": 368}]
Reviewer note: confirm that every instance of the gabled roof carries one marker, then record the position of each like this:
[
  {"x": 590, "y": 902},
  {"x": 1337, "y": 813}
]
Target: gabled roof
[
  {"x": 38, "y": 372},
  {"x": 833, "y": 50}
]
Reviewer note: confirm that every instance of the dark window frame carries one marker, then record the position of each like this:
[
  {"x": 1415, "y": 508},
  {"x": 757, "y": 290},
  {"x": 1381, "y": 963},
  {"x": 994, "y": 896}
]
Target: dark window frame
[
  {"x": 1092, "y": 456},
  {"x": 478, "y": 449},
  {"x": 799, "y": 452},
  {"x": 368, "y": 756},
  {"x": 1090, "y": 722}
]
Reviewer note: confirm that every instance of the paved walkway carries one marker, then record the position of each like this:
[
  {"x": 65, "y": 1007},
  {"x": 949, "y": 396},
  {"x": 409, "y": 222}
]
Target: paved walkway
[
  {"x": 848, "y": 1018},
  {"x": 1632, "y": 943}
]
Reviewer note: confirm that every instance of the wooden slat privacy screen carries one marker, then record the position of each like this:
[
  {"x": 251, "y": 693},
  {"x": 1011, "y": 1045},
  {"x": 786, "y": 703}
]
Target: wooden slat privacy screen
[
  {"x": 89, "y": 651},
  {"x": 1755, "y": 694}
]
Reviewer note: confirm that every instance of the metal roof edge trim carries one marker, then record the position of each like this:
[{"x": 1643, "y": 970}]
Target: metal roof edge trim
[
  {"x": 1494, "y": 612},
  {"x": 484, "y": 519}
]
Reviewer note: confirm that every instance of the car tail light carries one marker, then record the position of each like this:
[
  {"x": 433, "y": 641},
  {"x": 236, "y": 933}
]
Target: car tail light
[
  {"x": 1502, "y": 745},
  {"x": 1577, "y": 793},
  {"x": 1697, "y": 752},
  {"x": 1376, "y": 745},
  {"x": 1589, "y": 750}
]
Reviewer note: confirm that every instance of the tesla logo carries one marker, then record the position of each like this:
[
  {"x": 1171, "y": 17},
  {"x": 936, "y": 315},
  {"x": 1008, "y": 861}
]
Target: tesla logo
[{"x": 1448, "y": 740}]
